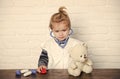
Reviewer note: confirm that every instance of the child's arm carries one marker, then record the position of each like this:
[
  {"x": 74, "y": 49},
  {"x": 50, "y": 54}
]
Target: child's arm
[
  {"x": 40, "y": 68},
  {"x": 43, "y": 60}
]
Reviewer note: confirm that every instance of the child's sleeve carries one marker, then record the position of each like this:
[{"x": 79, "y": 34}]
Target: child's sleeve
[{"x": 43, "y": 59}]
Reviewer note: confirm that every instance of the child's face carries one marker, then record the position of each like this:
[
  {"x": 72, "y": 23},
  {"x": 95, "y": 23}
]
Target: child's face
[{"x": 60, "y": 31}]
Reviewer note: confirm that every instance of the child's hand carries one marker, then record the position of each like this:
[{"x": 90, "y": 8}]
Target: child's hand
[{"x": 40, "y": 68}]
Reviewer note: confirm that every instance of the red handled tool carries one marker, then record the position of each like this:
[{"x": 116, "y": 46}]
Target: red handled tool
[{"x": 43, "y": 71}]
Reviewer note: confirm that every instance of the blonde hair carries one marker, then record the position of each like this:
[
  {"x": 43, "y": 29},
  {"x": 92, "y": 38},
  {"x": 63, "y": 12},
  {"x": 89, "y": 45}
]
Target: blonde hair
[{"x": 61, "y": 16}]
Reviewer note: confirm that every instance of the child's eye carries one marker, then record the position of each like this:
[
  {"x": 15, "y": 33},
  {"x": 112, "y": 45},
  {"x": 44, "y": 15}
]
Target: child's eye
[
  {"x": 80, "y": 55},
  {"x": 63, "y": 30},
  {"x": 56, "y": 31}
]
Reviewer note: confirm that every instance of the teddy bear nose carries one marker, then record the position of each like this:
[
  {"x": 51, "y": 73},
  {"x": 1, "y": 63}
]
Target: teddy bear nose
[{"x": 85, "y": 56}]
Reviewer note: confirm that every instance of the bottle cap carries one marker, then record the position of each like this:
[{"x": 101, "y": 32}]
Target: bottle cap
[
  {"x": 18, "y": 73},
  {"x": 33, "y": 71}
]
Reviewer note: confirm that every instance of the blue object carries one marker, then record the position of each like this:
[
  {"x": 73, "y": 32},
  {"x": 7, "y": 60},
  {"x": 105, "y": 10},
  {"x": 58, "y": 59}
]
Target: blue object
[
  {"x": 18, "y": 73},
  {"x": 33, "y": 71},
  {"x": 62, "y": 43}
]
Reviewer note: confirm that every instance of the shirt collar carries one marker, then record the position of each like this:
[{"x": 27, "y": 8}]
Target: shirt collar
[{"x": 62, "y": 43}]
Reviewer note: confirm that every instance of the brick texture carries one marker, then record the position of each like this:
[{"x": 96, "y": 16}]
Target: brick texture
[{"x": 24, "y": 26}]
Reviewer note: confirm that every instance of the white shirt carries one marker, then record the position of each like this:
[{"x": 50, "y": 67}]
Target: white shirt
[{"x": 58, "y": 57}]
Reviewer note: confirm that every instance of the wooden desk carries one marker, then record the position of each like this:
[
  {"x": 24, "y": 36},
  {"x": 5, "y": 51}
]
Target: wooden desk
[{"x": 63, "y": 74}]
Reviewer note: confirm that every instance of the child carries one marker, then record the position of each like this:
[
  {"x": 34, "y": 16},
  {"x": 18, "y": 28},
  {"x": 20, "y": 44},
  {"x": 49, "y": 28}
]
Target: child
[{"x": 54, "y": 53}]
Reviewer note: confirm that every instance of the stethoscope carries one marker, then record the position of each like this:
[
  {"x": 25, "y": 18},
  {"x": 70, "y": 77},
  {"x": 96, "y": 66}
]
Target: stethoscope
[{"x": 63, "y": 42}]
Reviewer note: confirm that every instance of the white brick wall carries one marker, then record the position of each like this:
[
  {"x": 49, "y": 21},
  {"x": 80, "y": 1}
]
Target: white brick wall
[{"x": 24, "y": 26}]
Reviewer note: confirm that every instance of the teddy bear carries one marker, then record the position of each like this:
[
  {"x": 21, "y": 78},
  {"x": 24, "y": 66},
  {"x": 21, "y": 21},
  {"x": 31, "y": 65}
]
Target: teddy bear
[{"x": 79, "y": 60}]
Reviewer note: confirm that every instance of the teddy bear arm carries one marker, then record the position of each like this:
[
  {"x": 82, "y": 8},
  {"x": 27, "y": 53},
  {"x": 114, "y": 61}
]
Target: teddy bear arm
[
  {"x": 89, "y": 62},
  {"x": 73, "y": 65}
]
